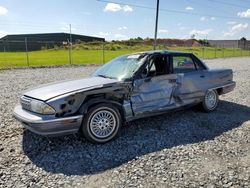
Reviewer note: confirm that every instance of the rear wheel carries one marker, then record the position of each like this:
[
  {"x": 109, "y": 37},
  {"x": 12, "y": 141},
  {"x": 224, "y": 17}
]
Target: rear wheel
[
  {"x": 101, "y": 123},
  {"x": 210, "y": 101}
]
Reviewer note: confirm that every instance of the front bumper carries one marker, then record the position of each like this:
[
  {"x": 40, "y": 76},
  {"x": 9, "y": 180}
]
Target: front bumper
[{"x": 47, "y": 125}]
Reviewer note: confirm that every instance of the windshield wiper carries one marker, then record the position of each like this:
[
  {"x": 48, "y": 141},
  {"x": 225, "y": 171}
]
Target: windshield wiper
[{"x": 105, "y": 76}]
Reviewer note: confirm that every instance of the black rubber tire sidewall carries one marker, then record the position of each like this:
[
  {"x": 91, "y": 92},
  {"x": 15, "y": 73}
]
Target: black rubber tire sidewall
[
  {"x": 86, "y": 128},
  {"x": 204, "y": 106}
]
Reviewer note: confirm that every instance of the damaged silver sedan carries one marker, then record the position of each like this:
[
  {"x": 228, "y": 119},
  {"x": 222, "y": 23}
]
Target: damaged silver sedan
[{"x": 128, "y": 87}]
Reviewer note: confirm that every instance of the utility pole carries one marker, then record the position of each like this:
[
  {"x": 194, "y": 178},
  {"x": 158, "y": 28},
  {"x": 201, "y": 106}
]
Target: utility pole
[
  {"x": 156, "y": 23},
  {"x": 70, "y": 40}
]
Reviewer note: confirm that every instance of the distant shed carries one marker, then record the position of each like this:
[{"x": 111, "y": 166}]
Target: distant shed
[{"x": 12, "y": 43}]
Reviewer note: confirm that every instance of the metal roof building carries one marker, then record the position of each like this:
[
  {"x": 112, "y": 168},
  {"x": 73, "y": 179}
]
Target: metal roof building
[{"x": 34, "y": 42}]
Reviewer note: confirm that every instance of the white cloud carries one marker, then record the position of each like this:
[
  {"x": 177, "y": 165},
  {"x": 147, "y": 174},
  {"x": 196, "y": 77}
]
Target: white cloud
[
  {"x": 103, "y": 34},
  {"x": 234, "y": 29},
  {"x": 163, "y": 31},
  {"x": 228, "y": 34},
  {"x": 203, "y": 18},
  {"x": 113, "y": 7},
  {"x": 127, "y": 8},
  {"x": 239, "y": 27},
  {"x": 122, "y": 28},
  {"x": 189, "y": 8},
  {"x": 231, "y": 23},
  {"x": 182, "y": 28},
  {"x": 200, "y": 33},
  {"x": 3, "y": 33},
  {"x": 245, "y": 14},
  {"x": 120, "y": 37},
  {"x": 3, "y": 10}
]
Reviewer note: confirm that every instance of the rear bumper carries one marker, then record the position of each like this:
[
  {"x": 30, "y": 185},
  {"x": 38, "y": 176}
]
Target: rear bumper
[
  {"x": 225, "y": 88},
  {"x": 47, "y": 125},
  {"x": 228, "y": 88}
]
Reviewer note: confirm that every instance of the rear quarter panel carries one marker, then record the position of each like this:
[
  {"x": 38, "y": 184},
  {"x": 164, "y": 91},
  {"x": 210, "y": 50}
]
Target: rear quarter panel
[{"x": 219, "y": 77}]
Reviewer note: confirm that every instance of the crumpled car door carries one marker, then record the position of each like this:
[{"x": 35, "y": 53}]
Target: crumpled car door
[{"x": 153, "y": 94}]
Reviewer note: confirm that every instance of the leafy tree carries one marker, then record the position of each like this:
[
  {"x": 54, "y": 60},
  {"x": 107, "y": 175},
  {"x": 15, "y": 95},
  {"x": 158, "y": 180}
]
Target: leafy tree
[
  {"x": 243, "y": 39},
  {"x": 193, "y": 36}
]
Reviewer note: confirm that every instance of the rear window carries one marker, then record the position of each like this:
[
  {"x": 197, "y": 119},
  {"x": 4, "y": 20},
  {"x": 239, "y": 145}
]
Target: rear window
[{"x": 183, "y": 64}]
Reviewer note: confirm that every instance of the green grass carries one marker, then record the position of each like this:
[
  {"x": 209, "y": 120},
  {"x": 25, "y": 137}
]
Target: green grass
[{"x": 81, "y": 56}]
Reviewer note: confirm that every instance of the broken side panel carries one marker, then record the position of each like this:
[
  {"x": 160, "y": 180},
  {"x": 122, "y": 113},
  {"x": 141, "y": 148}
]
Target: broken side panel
[
  {"x": 192, "y": 87},
  {"x": 153, "y": 94}
]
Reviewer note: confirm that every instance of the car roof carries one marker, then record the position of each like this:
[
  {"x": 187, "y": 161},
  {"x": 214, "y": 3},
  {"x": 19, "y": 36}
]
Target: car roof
[{"x": 162, "y": 52}]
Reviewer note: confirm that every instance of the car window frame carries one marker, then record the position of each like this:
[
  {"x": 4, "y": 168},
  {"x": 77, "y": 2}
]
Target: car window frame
[
  {"x": 198, "y": 62},
  {"x": 147, "y": 61},
  {"x": 182, "y": 55}
]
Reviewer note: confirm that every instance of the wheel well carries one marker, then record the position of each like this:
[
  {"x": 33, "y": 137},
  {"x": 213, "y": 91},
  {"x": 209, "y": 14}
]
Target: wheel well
[
  {"x": 219, "y": 91},
  {"x": 92, "y": 101}
]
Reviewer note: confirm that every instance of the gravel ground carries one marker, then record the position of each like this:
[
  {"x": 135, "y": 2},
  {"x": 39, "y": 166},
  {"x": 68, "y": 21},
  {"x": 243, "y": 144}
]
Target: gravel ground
[{"x": 182, "y": 149}]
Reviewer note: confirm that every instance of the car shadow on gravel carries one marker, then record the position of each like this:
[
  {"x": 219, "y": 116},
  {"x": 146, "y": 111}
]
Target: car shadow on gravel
[{"x": 73, "y": 155}]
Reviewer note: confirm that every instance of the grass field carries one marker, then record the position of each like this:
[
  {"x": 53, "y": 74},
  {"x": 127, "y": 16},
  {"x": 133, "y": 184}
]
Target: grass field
[{"x": 81, "y": 56}]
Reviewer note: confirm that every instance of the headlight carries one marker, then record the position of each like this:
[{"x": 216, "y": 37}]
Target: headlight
[{"x": 41, "y": 107}]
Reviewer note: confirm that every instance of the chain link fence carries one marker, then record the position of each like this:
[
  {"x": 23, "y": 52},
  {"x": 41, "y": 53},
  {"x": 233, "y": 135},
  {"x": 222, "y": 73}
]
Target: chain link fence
[{"x": 21, "y": 53}]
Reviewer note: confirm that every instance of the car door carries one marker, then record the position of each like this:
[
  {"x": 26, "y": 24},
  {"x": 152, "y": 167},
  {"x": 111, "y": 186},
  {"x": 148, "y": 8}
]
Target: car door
[
  {"x": 192, "y": 87},
  {"x": 153, "y": 91}
]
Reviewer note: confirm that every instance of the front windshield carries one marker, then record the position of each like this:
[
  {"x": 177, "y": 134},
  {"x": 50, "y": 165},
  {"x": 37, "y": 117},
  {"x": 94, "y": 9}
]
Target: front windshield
[{"x": 120, "y": 68}]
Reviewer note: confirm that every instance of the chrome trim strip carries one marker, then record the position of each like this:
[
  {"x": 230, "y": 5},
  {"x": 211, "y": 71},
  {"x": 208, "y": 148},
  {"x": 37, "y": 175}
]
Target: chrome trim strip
[{"x": 227, "y": 85}]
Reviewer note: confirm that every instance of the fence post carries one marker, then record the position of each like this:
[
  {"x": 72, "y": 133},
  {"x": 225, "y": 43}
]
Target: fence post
[
  {"x": 27, "y": 53},
  {"x": 103, "y": 52},
  {"x": 4, "y": 50},
  {"x": 203, "y": 51},
  {"x": 241, "y": 52},
  {"x": 70, "y": 59},
  {"x": 223, "y": 51},
  {"x": 215, "y": 51},
  {"x": 130, "y": 46}
]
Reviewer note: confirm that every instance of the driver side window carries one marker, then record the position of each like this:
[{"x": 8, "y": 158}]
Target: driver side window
[{"x": 157, "y": 66}]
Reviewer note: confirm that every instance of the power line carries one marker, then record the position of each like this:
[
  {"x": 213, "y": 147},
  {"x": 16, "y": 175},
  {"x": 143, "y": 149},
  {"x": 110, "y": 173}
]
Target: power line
[
  {"x": 226, "y": 3},
  {"x": 29, "y": 22},
  {"x": 139, "y": 6},
  {"x": 207, "y": 6},
  {"x": 246, "y": 1},
  {"x": 174, "y": 11}
]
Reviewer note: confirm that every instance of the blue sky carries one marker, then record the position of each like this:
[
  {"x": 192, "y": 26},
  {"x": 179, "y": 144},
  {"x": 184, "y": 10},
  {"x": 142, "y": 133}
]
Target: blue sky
[{"x": 212, "y": 19}]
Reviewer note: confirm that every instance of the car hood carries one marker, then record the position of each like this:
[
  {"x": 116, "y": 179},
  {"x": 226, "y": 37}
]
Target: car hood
[{"x": 49, "y": 91}]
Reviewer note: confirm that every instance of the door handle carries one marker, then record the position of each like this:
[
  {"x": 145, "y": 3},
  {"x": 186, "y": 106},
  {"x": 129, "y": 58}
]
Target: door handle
[
  {"x": 147, "y": 79},
  {"x": 172, "y": 80},
  {"x": 202, "y": 76}
]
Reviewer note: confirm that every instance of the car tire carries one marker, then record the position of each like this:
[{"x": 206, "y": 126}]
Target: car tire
[
  {"x": 102, "y": 123},
  {"x": 210, "y": 101}
]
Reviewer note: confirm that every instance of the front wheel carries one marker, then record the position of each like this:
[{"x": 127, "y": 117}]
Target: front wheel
[
  {"x": 101, "y": 123},
  {"x": 210, "y": 101}
]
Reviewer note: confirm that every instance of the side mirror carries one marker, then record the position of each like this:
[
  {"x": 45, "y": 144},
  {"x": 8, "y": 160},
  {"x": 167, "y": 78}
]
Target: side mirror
[{"x": 145, "y": 71}]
